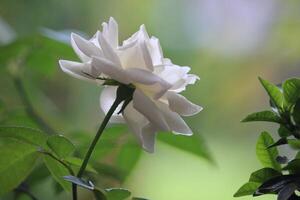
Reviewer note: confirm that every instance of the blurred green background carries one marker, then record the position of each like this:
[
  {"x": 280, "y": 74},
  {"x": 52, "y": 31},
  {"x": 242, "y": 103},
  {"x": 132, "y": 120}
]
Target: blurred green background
[{"x": 228, "y": 43}]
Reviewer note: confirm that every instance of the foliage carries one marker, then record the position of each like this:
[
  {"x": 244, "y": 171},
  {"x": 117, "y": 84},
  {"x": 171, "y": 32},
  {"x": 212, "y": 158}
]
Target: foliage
[
  {"x": 280, "y": 177},
  {"x": 31, "y": 155}
]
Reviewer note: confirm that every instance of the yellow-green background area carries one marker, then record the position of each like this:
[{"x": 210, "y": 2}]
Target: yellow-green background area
[{"x": 228, "y": 89}]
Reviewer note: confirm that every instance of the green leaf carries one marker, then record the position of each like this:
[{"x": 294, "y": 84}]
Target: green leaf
[
  {"x": 24, "y": 134},
  {"x": 291, "y": 91},
  {"x": 284, "y": 132},
  {"x": 60, "y": 145},
  {"x": 247, "y": 189},
  {"x": 263, "y": 175},
  {"x": 16, "y": 162},
  {"x": 77, "y": 162},
  {"x": 138, "y": 198},
  {"x": 294, "y": 143},
  {"x": 296, "y": 112},
  {"x": 274, "y": 93},
  {"x": 58, "y": 171},
  {"x": 193, "y": 144},
  {"x": 117, "y": 193},
  {"x": 293, "y": 166},
  {"x": 267, "y": 156},
  {"x": 267, "y": 116}
]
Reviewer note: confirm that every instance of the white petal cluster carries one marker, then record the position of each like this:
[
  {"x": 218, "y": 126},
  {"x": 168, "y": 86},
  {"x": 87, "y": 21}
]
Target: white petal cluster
[{"x": 156, "y": 104}]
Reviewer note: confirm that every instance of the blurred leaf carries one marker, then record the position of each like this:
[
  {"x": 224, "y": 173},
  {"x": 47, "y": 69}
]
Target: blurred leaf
[
  {"x": 294, "y": 143},
  {"x": 39, "y": 174},
  {"x": 247, "y": 189},
  {"x": 17, "y": 117},
  {"x": 110, "y": 171},
  {"x": 80, "y": 182},
  {"x": 16, "y": 162},
  {"x": 99, "y": 195},
  {"x": 36, "y": 52},
  {"x": 77, "y": 162},
  {"x": 60, "y": 145},
  {"x": 267, "y": 116},
  {"x": 274, "y": 93},
  {"x": 263, "y": 175},
  {"x": 58, "y": 171},
  {"x": 127, "y": 158},
  {"x": 284, "y": 132},
  {"x": 138, "y": 198},
  {"x": 267, "y": 156},
  {"x": 117, "y": 193},
  {"x": 296, "y": 112},
  {"x": 291, "y": 91},
  {"x": 193, "y": 144},
  {"x": 24, "y": 134}
]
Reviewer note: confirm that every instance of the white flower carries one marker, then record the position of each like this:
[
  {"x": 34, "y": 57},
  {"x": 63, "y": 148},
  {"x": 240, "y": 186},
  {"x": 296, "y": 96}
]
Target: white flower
[{"x": 156, "y": 104}]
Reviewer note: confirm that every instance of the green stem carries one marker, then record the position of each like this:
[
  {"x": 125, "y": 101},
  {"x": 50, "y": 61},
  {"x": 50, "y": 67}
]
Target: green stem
[{"x": 29, "y": 108}]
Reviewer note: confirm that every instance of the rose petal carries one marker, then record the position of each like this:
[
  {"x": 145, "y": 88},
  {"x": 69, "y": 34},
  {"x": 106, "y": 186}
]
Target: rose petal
[
  {"x": 110, "y": 32},
  {"x": 181, "y": 105},
  {"x": 135, "y": 121},
  {"x": 76, "y": 69},
  {"x": 155, "y": 51},
  {"x": 148, "y": 136},
  {"x": 108, "y": 51},
  {"x": 110, "y": 69},
  {"x": 175, "y": 122},
  {"x": 84, "y": 48},
  {"x": 145, "y": 106}
]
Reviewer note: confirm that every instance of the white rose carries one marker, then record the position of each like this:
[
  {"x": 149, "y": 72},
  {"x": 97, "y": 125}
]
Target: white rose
[{"x": 156, "y": 104}]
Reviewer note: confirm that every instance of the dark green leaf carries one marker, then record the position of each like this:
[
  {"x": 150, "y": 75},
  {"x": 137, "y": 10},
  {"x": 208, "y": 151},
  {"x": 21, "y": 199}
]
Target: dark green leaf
[
  {"x": 284, "y": 132},
  {"x": 17, "y": 159},
  {"x": 293, "y": 166},
  {"x": 281, "y": 141},
  {"x": 60, "y": 145},
  {"x": 291, "y": 91},
  {"x": 117, "y": 193},
  {"x": 296, "y": 112},
  {"x": 267, "y": 156},
  {"x": 193, "y": 144},
  {"x": 247, "y": 189},
  {"x": 24, "y": 134},
  {"x": 267, "y": 116},
  {"x": 58, "y": 171},
  {"x": 263, "y": 175},
  {"x": 274, "y": 93},
  {"x": 274, "y": 185}
]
